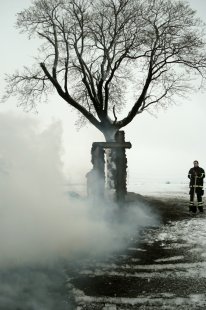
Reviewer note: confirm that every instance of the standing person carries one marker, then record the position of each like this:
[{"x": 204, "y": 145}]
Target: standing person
[{"x": 196, "y": 176}]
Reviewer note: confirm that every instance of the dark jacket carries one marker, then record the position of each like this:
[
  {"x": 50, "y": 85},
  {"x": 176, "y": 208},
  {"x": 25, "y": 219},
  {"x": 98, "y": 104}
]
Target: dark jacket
[{"x": 196, "y": 173}]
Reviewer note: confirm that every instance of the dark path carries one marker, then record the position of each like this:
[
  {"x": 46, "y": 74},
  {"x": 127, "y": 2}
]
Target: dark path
[{"x": 164, "y": 268}]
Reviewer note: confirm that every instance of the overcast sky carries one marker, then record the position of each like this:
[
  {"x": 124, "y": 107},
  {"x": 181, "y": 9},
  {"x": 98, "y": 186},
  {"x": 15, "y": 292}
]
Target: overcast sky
[{"x": 163, "y": 146}]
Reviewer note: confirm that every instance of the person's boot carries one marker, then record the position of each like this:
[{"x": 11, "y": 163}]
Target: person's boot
[
  {"x": 200, "y": 207},
  {"x": 192, "y": 207}
]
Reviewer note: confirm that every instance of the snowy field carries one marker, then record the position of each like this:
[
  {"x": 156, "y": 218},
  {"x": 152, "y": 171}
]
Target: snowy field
[
  {"x": 164, "y": 266},
  {"x": 165, "y": 269},
  {"x": 173, "y": 187}
]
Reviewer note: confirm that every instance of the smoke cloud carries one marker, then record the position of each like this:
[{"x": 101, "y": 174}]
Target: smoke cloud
[
  {"x": 41, "y": 225},
  {"x": 38, "y": 220}
]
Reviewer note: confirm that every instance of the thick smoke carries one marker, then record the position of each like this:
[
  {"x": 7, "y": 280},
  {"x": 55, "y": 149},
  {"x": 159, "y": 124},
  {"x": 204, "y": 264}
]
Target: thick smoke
[
  {"x": 39, "y": 222},
  {"x": 41, "y": 225}
]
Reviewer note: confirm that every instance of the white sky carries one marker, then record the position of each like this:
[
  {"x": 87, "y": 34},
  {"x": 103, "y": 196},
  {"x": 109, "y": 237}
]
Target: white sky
[{"x": 161, "y": 147}]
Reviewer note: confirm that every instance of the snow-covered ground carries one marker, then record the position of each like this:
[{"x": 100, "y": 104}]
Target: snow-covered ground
[
  {"x": 174, "y": 279},
  {"x": 156, "y": 186},
  {"x": 159, "y": 186},
  {"x": 163, "y": 268}
]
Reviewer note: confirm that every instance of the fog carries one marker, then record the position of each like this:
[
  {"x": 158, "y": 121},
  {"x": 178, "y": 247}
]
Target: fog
[
  {"x": 42, "y": 226},
  {"x": 40, "y": 222}
]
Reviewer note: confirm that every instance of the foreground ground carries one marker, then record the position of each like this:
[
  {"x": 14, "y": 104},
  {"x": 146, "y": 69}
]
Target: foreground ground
[{"x": 163, "y": 267}]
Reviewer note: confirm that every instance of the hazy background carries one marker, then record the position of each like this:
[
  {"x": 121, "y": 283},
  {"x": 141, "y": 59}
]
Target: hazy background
[
  {"x": 162, "y": 147},
  {"x": 40, "y": 154}
]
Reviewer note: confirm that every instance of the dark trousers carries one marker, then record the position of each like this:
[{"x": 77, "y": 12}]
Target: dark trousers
[{"x": 199, "y": 192}]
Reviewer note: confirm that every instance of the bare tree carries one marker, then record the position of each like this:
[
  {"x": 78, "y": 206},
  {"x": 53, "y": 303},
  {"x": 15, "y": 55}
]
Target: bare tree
[{"x": 95, "y": 53}]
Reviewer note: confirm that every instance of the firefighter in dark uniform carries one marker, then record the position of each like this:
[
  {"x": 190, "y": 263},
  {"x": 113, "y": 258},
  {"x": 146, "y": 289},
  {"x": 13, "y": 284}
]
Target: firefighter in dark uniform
[{"x": 196, "y": 176}]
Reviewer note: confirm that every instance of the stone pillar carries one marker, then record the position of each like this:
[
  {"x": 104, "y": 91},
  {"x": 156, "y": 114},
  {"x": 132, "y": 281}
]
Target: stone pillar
[
  {"x": 116, "y": 170},
  {"x": 121, "y": 168},
  {"x": 96, "y": 176},
  {"x": 110, "y": 168}
]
